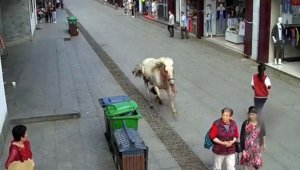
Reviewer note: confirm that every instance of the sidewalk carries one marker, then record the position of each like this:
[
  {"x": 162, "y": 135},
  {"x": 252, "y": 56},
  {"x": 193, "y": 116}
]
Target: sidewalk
[{"x": 56, "y": 76}]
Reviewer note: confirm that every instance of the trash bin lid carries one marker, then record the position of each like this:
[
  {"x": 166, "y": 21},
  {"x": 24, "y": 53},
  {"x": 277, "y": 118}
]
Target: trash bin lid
[
  {"x": 128, "y": 140},
  {"x": 121, "y": 108},
  {"x": 72, "y": 18},
  {"x": 105, "y": 101}
]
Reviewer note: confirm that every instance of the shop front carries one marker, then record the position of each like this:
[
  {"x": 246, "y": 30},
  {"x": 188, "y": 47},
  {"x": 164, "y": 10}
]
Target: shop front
[
  {"x": 162, "y": 6},
  {"x": 192, "y": 11},
  {"x": 229, "y": 22},
  {"x": 287, "y": 12}
]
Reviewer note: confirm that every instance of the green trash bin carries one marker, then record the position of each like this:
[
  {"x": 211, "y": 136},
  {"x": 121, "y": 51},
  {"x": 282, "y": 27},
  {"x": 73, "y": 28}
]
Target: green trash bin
[
  {"x": 127, "y": 111},
  {"x": 72, "y": 21},
  {"x": 115, "y": 114}
]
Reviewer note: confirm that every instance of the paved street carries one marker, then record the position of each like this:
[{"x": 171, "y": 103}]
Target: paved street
[
  {"x": 208, "y": 78},
  {"x": 57, "y": 77},
  {"x": 53, "y": 74}
]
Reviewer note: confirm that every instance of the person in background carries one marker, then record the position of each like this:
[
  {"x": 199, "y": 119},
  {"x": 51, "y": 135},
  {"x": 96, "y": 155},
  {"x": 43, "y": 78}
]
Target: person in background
[
  {"x": 224, "y": 133},
  {"x": 171, "y": 24},
  {"x": 261, "y": 86},
  {"x": 20, "y": 146},
  {"x": 62, "y": 4},
  {"x": 253, "y": 140},
  {"x": 54, "y": 15},
  {"x": 183, "y": 27}
]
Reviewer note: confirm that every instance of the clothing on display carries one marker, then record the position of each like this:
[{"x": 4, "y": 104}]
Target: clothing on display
[
  {"x": 286, "y": 6},
  {"x": 292, "y": 35},
  {"x": 242, "y": 28},
  {"x": 232, "y": 22},
  {"x": 291, "y": 6},
  {"x": 221, "y": 19},
  {"x": 208, "y": 19},
  {"x": 277, "y": 34}
]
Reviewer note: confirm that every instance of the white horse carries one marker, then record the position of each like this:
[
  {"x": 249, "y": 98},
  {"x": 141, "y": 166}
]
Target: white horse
[{"x": 158, "y": 74}]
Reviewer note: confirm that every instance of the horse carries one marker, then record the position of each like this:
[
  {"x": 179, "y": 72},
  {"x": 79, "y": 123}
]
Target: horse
[{"x": 157, "y": 74}]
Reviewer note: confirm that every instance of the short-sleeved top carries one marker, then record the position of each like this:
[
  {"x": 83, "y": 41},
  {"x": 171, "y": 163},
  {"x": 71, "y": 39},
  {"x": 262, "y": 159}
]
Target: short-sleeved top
[
  {"x": 184, "y": 21},
  {"x": 171, "y": 19}
]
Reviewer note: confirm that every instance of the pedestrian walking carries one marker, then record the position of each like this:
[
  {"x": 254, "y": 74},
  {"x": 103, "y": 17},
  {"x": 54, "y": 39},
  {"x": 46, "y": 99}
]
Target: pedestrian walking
[
  {"x": 154, "y": 9},
  {"x": 253, "y": 140},
  {"x": 261, "y": 86},
  {"x": 131, "y": 6},
  {"x": 50, "y": 9},
  {"x": 20, "y": 154},
  {"x": 62, "y": 4},
  {"x": 126, "y": 6},
  {"x": 171, "y": 24},
  {"x": 183, "y": 28},
  {"x": 54, "y": 15},
  {"x": 224, "y": 133},
  {"x": 149, "y": 8}
]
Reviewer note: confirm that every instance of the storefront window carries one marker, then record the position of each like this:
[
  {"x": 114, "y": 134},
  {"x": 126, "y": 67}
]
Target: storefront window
[
  {"x": 291, "y": 21},
  {"x": 191, "y": 10},
  {"x": 224, "y": 22}
]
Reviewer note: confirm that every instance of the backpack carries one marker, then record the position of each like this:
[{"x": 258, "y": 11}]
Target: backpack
[{"x": 208, "y": 143}]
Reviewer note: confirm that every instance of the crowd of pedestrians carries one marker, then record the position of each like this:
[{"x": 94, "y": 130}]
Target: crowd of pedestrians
[{"x": 224, "y": 133}]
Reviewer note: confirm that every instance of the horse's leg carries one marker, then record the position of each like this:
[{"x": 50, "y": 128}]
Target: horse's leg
[
  {"x": 171, "y": 99},
  {"x": 157, "y": 94},
  {"x": 148, "y": 91}
]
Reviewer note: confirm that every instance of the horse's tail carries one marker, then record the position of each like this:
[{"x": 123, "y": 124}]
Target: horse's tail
[{"x": 137, "y": 72}]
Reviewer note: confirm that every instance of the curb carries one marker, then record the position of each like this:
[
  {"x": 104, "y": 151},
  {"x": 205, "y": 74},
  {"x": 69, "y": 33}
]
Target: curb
[{"x": 45, "y": 118}]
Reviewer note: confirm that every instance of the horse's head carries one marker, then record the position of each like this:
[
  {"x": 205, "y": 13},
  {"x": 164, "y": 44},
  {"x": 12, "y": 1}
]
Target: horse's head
[{"x": 167, "y": 73}]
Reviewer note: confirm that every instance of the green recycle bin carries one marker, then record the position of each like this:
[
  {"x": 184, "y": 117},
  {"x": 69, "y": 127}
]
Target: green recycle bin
[
  {"x": 116, "y": 114},
  {"x": 127, "y": 111},
  {"x": 73, "y": 29}
]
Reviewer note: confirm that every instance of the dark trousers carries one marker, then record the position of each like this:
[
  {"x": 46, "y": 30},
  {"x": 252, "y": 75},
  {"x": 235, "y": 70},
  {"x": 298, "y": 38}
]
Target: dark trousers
[
  {"x": 259, "y": 103},
  {"x": 184, "y": 29},
  {"x": 279, "y": 50},
  {"x": 171, "y": 30}
]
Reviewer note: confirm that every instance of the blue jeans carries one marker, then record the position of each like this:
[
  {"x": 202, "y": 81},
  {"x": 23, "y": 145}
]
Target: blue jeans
[
  {"x": 208, "y": 26},
  {"x": 259, "y": 103}
]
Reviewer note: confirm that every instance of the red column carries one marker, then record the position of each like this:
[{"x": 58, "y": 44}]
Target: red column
[
  {"x": 264, "y": 31},
  {"x": 200, "y": 19},
  {"x": 248, "y": 29}
]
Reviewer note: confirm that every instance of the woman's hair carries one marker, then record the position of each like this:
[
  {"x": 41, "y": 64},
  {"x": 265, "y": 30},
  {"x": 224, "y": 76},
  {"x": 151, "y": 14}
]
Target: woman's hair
[
  {"x": 227, "y": 109},
  {"x": 18, "y": 132},
  {"x": 252, "y": 109},
  {"x": 261, "y": 71}
]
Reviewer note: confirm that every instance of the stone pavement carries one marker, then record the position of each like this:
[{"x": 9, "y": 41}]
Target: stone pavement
[
  {"x": 208, "y": 78},
  {"x": 57, "y": 77}
]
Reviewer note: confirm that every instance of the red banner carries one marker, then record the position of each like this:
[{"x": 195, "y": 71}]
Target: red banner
[{"x": 295, "y": 2}]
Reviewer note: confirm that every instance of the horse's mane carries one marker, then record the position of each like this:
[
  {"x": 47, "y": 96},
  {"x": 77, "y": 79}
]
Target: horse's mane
[
  {"x": 166, "y": 60},
  {"x": 163, "y": 61}
]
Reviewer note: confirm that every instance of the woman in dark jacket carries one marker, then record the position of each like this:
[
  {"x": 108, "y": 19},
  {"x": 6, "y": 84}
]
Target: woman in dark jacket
[
  {"x": 224, "y": 133},
  {"x": 252, "y": 140}
]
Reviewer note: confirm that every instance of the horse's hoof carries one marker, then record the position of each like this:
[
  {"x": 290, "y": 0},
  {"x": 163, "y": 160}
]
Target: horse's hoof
[{"x": 151, "y": 107}]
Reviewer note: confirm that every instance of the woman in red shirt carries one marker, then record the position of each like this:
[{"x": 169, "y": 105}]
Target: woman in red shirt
[
  {"x": 20, "y": 146},
  {"x": 261, "y": 86},
  {"x": 224, "y": 133}
]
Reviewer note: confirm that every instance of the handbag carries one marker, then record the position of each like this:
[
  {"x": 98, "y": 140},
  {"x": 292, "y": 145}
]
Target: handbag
[
  {"x": 238, "y": 147},
  {"x": 207, "y": 141},
  {"x": 18, "y": 165}
]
